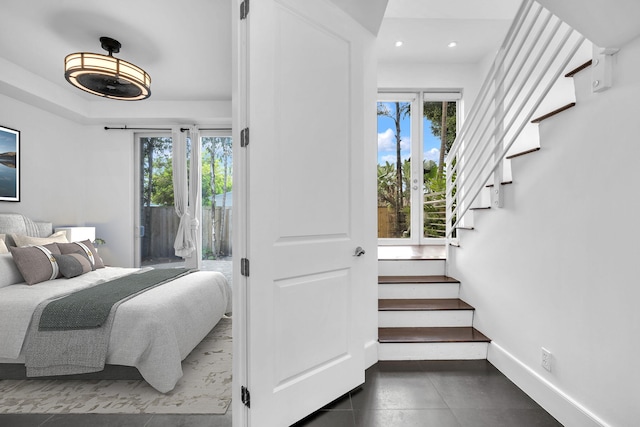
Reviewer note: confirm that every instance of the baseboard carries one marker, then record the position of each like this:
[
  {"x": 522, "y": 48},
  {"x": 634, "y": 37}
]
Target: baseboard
[
  {"x": 563, "y": 407},
  {"x": 370, "y": 353}
]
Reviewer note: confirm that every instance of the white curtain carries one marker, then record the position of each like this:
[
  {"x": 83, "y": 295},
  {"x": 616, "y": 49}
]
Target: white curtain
[
  {"x": 184, "y": 244},
  {"x": 187, "y": 194},
  {"x": 195, "y": 196}
]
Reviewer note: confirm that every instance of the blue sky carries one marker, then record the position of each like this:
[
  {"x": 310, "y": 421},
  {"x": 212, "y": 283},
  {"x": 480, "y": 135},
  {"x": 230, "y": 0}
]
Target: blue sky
[
  {"x": 387, "y": 140},
  {"x": 7, "y": 141}
]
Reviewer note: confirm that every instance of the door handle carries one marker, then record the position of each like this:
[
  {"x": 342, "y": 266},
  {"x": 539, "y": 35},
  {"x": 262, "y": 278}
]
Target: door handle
[{"x": 359, "y": 251}]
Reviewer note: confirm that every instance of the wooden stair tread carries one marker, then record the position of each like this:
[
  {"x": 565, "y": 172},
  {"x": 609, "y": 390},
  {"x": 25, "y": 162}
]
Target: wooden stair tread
[
  {"x": 522, "y": 153},
  {"x": 416, "y": 279},
  {"x": 554, "y": 112},
  {"x": 422, "y": 304},
  {"x": 502, "y": 183},
  {"x": 579, "y": 68},
  {"x": 431, "y": 335}
]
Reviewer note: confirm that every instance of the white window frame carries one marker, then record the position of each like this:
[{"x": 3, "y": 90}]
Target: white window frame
[{"x": 417, "y": 99}]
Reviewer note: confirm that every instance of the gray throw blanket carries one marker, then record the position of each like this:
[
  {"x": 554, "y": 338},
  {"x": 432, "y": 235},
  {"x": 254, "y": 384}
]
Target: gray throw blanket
[{"x": 70, "y": 334}]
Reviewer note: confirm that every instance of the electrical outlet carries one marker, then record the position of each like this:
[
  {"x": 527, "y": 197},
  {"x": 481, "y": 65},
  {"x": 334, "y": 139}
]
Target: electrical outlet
[{"x": 546, "y": 359}]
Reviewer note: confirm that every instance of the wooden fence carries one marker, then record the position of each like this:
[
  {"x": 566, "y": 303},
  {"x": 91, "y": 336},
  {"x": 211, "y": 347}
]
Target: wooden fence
[
  {"x": 162, "y": 227},
  {"x": 388, "y": 226}
]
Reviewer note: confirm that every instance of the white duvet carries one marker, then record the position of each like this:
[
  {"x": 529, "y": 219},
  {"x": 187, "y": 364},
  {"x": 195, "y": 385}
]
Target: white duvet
[{"x": 153, "y": 331}]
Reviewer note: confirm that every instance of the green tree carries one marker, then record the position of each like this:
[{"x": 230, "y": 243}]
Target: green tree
[
  {"x": 151, "y": 149},
  {"x": 399, "y": 111},
  {"x": 162, "y": 191},
  {"x": 386, "y": 184},
  {"x": 442, "y": 115},
  {"x": 219, "y": 151},
  {"x": 162, "y": 194}
]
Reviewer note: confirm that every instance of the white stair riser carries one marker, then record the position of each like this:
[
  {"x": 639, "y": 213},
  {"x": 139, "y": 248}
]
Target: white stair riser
[
  {"x": 434, "y": 318},
  {"x": 411, "y": 268},
  {"x": 418, "y": 291},
  {"x": 433, "y": 351}
]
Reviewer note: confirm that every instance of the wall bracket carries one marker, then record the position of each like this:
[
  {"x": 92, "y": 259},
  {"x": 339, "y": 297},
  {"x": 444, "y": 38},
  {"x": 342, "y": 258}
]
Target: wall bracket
[{"x": 602, "y": 68}]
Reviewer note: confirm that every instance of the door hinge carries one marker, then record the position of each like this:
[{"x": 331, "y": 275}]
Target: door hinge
[
  {"x": 244, "y": 267},
  {"x": 246, "y": 396},
  {"x": 244, "y": 9},
  {"x": 244, "y": 137}
]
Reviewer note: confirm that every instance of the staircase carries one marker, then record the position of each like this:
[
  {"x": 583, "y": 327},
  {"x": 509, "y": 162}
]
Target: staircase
[
  {"x": 523, "y": 87},
  {"x": 420, "y": 314}
]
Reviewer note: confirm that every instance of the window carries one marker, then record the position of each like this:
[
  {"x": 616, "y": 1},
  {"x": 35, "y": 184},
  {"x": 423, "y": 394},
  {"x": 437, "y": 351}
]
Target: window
[{"x": 411, "y": 171}]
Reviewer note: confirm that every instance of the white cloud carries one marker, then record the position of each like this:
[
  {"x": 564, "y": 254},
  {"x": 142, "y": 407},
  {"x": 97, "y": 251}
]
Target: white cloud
[
  {"x": 391, "y": 158},
  {"x": 405, "y": 143},
  {"x": 387, "y": 141},
  {"x": 433, "y": 154}
]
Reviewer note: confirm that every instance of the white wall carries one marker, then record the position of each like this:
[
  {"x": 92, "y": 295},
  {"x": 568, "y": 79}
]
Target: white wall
[
  {"x": 74, "y": 175},
  {"x": 424, "y": 76},
  {"x": 557, "y": 266},
  {"x": 607, "y": 23}
]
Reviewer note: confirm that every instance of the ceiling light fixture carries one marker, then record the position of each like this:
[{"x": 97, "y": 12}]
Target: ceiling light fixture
[
  {"x": 399, "y": 43},
  {"x": 106, "y": 76},
  {"x": 452, "y": 44}
]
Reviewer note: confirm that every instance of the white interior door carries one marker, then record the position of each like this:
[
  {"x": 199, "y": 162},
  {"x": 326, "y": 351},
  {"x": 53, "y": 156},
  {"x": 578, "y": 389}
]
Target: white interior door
[{"x": 304, "y": 105}]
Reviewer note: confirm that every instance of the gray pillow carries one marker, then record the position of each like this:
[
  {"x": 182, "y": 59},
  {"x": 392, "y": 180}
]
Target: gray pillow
[
  {"x": 85, "y": 246},
  {"x": 36, "y": 263},
  {"x": 73, "y": 265}
]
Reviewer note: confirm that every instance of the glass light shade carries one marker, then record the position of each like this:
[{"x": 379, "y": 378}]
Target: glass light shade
[{"x": 106, "y": 76}]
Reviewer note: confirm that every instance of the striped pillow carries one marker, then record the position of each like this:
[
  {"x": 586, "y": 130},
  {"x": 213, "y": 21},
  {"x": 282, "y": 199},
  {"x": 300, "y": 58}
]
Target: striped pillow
[
  {"x": 36, "y": 263},
  {"x": 85, "y": 246}
]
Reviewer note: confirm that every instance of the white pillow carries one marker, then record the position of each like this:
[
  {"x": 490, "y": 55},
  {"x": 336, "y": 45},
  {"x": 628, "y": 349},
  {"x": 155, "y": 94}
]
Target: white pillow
[
  {"x": 9, "y": 273},
  {"x": 3, "y": 247},
  {"x": 58, "y": 237}
]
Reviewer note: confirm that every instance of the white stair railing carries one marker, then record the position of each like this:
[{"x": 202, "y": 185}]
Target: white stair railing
[{"x": 535, "y": 52}]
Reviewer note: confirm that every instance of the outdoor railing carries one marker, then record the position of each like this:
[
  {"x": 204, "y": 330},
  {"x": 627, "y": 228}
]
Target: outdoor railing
[
  {"x": 536, "y": 50},
  {"x": 435, "y": 215}
]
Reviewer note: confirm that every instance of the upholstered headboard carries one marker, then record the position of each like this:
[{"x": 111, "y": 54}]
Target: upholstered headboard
[{"x": 20, "y": 224}]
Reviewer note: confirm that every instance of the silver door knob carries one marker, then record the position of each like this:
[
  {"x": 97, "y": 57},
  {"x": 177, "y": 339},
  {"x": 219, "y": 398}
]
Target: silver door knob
[{"x": 359, "y": 251}]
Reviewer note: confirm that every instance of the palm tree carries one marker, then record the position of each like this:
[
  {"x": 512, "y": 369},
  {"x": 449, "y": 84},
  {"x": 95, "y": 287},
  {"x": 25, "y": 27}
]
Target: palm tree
[{"x": 396, "y": 114}]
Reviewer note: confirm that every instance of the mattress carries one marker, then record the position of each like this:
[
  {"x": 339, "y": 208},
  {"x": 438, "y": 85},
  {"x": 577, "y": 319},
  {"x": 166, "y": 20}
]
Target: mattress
[{"x": 153, "y": 331}]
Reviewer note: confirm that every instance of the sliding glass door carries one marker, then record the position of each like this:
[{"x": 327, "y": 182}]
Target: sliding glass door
[
  {"x": 217, "y": 197},
  {"x": 415, "y": 131},
  {"x": 156, "y": 215},
  {"x": 156, "y": 219}
]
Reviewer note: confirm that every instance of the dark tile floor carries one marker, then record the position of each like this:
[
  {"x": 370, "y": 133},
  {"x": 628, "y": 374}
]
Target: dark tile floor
[
  {"x": 438, "y": 394},
  {"x": 406, "y": 394}
]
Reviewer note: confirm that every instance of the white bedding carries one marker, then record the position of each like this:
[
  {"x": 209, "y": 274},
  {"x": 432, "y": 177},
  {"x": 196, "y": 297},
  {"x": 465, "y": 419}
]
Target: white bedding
[{"x": 153, "y": 331}]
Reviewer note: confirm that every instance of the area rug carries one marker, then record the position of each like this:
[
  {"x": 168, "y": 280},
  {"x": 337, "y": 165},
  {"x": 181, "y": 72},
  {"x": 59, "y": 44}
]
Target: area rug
[{"x": 205, "y": 388}]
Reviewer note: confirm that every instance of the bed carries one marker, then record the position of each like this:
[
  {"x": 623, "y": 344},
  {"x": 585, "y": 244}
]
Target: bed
[{"x": 153, "y": 331}]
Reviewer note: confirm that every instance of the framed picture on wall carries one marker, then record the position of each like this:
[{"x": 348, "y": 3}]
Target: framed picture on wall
[{"x": 9, "y": 165}]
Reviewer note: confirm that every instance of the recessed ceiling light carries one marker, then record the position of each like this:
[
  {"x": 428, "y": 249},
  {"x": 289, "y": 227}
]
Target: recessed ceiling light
[
  {"x": 399, "y": 43},
  {"x": 452, "y": 44}
]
